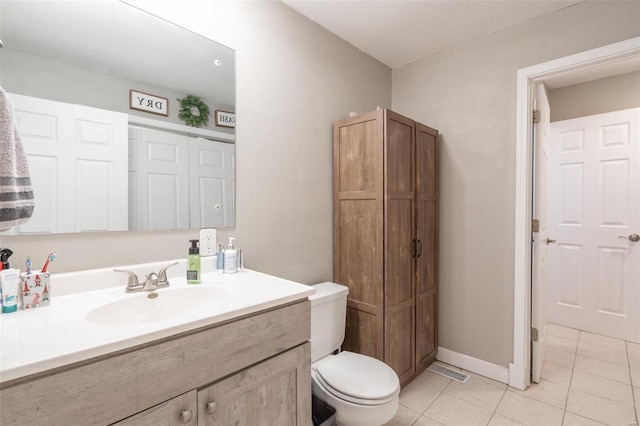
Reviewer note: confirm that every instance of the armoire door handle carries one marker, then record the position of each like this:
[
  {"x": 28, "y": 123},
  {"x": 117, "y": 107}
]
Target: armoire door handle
[
  {"x": 419, "y": 248},
  {"x": 413, "y": 248}
]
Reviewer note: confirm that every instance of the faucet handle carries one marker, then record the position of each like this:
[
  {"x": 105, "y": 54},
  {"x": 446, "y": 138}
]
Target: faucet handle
[
  {"x": 132, "y": 283},
  {"x": 162, "y": 275}
]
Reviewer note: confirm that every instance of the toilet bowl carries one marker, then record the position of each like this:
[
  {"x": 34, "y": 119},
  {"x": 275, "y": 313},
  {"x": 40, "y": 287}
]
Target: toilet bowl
[{"x": 363, "y": 390}]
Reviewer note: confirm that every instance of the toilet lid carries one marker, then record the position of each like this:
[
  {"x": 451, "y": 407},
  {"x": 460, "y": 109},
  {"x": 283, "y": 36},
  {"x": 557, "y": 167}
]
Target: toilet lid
[{"x": 358, "y": 376}]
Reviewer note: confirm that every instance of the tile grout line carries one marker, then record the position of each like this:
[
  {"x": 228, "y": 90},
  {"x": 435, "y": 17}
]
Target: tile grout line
[
  {"x": 633, "y": 392},
  {"x": 431, "y": 403},
  {"x": 495, "y": 410},
  {"x": 566, "y": 401}
]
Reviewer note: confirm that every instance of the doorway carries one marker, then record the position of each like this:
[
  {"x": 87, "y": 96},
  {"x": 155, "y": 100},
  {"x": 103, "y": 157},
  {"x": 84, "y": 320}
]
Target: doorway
[{"x": 601, "y": 60}]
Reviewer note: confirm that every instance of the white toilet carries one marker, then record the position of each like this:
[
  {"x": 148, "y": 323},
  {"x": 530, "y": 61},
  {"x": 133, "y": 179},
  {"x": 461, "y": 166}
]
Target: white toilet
[{"x": 363, "y": 390}]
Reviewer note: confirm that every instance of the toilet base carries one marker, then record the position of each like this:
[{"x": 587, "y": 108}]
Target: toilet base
[{"x": 350, "y": 414}]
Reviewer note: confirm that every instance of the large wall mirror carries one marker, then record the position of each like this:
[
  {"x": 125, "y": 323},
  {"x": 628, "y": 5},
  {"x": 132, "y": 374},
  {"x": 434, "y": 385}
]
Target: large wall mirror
[{"x": 96, "y": 88}]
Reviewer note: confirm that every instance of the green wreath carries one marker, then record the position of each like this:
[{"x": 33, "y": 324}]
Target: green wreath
[{"x": 186, "y": 112}]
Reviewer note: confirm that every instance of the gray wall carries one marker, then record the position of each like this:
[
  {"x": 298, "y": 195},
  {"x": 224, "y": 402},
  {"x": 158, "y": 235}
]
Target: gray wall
[
  {"x": 595, "y": 97},
  {"x": 469, "y": 94},
  {"x": 293, "y": 80}
]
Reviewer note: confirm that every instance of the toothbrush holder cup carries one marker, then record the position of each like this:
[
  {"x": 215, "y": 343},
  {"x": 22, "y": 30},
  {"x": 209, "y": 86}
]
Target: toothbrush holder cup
[{"x": 35, "y": 289}]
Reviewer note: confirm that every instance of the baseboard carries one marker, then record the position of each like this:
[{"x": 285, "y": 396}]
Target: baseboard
[{"x": 475, "y": 365}]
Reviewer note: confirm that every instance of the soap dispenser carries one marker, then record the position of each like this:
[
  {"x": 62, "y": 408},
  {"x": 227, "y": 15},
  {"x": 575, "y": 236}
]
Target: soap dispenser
[
  {"x": 230, "y": 258},
  {"x": 193, "y": 267}
]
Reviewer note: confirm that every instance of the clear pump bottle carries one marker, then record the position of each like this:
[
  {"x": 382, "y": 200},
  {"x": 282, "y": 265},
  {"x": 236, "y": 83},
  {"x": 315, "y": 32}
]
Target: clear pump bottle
[{"x": 230, "y": 258}]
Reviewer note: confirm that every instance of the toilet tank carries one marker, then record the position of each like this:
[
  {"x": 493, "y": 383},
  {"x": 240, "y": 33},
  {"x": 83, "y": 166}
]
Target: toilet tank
[{"x": 328, "y": 318}]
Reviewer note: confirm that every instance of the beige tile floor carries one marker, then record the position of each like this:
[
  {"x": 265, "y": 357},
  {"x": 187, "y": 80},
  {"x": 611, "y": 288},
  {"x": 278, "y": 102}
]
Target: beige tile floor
[{"x": 587, "y": 379}]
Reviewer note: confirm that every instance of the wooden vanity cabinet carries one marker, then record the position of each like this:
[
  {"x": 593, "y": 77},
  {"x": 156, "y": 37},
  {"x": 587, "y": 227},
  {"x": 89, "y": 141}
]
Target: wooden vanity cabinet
[
  {"x": 263, "y": 395},
  {"x": 385, "y": 237},
  {"x": 255, "y": 370}
]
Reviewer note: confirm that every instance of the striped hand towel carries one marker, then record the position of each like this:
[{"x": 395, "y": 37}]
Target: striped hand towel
[{"x": 16, "y": 195}]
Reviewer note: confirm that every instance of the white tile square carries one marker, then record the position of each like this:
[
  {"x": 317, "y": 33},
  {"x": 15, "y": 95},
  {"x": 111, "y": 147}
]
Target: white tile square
[
  {"x": 565, "y": 332},
  {"x": 603, "y": 353},
  {"x": 556, "y": 373},
  {"x": 600, "y": 409},
  {"x": 477, "y": 392},
  {"x": 562, "y": 344},
  {"x": 606, "y": 388},
  {"x": 558, "y": 357},
  {"x": 634, "y": 360},
  {"x": 604, "y": 369},
  {"x": 529, "y": 411},
  {"x": 598, "y": 340},
  {"x": 449, "y": 410},
  {"x": 633, "y": 348},
  {"x": 548, "y": 392},
  {"x": 635, "y": 377},
  {"x": 418, "y": 395},
  {"x": 404, "y": 417}
]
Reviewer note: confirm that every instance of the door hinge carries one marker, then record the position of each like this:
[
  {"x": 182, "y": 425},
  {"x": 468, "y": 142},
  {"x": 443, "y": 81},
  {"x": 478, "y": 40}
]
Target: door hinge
[
  {"x": 535, "y": 225},
  {"x": 536, "y": 116},
  {"x": 534, "y": 334}
]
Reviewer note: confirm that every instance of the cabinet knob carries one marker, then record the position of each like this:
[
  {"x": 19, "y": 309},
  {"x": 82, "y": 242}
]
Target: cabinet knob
[
  {"x": 186, "y": 416},
  {"x": 212, "y": 407}
]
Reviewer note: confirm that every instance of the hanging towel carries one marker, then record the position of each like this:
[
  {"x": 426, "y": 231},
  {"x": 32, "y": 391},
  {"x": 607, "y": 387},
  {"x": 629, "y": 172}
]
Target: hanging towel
[{"x": 16, "y": 195}]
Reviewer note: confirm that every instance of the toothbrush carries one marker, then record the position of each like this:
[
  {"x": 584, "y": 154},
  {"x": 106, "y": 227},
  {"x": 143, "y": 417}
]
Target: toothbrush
[
  {"x": 29, "y": 263},
  {"x": 50, "y": 258}
]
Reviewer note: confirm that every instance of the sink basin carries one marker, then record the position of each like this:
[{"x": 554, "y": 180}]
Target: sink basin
[{"x": 159, "y": 305}]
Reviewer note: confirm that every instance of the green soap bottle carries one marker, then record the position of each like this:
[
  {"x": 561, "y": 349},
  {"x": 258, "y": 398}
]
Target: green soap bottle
[{"x": 193, "y": 263}]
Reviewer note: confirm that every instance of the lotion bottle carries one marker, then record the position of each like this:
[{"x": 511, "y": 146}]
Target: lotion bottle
[
  {"x": 230, "y": 258},
  {"x": 193, "y": 263},
  {"x": 9, "y": 281}
]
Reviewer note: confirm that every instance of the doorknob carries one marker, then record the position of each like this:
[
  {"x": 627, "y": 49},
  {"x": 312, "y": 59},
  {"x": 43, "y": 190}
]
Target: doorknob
[
  {"x": 633, "y": 237},
  {"x": 550, "y": 241}
]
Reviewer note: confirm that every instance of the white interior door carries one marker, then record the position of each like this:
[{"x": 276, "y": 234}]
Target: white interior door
[
  {"x": 162, "y": 177},
  {"x": 78, "y": 163},
  {"x": 594, "y": 214},
  {"x": 540, "y": 239},
  {"x": 211, "y": 177}
]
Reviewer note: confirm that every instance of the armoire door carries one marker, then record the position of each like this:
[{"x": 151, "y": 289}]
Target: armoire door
[
  {"x": 358, "y": 229},
  {"x": 427, "y": 245},
  {"x": 399, "y": 245}
]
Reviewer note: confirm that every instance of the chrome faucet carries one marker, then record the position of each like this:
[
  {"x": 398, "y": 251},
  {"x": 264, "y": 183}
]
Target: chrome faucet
[{"x": 152, "y": 281}]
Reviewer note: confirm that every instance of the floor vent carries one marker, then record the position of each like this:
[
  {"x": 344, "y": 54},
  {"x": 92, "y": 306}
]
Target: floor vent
[{"x": 447, "y": 372}]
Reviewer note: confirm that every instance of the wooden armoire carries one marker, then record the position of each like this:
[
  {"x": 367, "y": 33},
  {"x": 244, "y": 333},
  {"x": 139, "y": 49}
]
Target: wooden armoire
[{"x": 386, "y": 237}]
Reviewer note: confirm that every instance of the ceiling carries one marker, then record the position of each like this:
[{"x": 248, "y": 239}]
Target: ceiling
[
  {"x": 105, "y": 37},
  {"x": 399, "y": 32}
]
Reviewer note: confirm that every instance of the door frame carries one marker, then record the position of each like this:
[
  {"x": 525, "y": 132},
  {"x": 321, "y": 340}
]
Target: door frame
[{"x": 520, "y": 368}]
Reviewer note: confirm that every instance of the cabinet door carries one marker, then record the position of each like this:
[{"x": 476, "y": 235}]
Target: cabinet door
[
  {"x": 427, "y": 245},
  {"x": 178, "y": 411},
  {"x": 274, "y": 392},
  {"x": 399, "y": 246},
  {"x": 358, "y": 228}
]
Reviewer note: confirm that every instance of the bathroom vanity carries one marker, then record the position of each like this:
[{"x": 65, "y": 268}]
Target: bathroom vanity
[{"x": 244, "y": 361}]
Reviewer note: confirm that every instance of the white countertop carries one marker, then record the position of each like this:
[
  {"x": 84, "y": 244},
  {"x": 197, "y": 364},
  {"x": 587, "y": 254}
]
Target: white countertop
[{"x": 36, "y": 340}]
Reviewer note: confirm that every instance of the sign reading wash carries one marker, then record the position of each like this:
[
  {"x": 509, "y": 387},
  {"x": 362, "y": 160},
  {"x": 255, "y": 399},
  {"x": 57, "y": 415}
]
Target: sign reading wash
[
  {"x": 148, "y": 103},
  {"x": 225, "y": 119}
]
